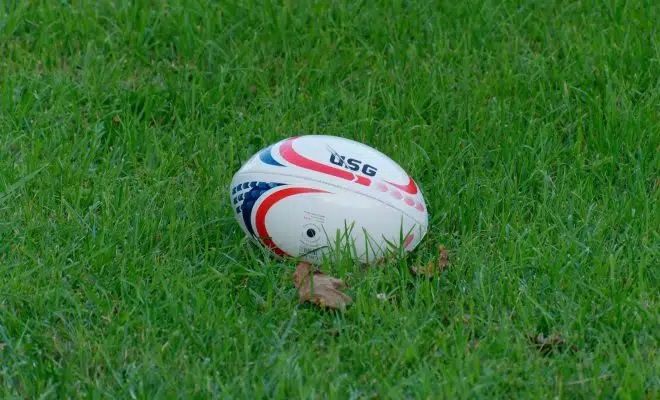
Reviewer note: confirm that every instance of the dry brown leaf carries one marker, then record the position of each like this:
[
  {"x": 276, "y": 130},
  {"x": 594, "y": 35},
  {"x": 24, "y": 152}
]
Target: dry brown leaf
[
  {"x": 427, "y": 270},
  {"x": 431, "y": 268},
  {"x": 388, "y": 257},
  {"x": 443, "y": 259},
  {"x": 318, "y": 288},
  {"x": 548, "y": 344}
]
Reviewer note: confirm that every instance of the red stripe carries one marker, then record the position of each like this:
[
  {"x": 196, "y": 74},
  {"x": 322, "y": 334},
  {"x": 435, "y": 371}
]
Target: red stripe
[
  {"x": 411, "y": 187},
  {"x": 260, "y": 217},
  {"x": 288, "y": 153},
  {"x": 408, "y": 240},
  {"x": 363, "y": 181}
]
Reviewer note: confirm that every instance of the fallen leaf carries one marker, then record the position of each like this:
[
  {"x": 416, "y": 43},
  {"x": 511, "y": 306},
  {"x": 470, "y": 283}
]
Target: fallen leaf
[
  {"x": 431, "y": 268},
  {"x": 443, "y": 259},
  {"x": 318, "y": 288},
  {"x": 465, "y": 318},
  {"x": 548, "y": 344},
  {"x": 334, "y": 332},
  {"x": 427, "y": 270},
  {"x": 388, "y": 257}
]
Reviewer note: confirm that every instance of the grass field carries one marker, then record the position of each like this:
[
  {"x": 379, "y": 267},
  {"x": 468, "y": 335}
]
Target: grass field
[{"x": 533, "y": 128}]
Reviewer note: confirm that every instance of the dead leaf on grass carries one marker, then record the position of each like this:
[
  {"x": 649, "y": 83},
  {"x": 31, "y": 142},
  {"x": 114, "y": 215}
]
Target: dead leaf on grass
[
  {"x": 318, "y": 288},
  {"x": 389, "y": 256},
  {"x": 465, "y": 319},
  {"x": 431, "y": 268},
  {"x": 548, "y": 344}
]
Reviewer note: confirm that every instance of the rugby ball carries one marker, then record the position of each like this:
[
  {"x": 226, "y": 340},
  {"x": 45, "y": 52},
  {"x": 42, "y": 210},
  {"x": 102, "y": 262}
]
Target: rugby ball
[{"x": 316, "y": 195}]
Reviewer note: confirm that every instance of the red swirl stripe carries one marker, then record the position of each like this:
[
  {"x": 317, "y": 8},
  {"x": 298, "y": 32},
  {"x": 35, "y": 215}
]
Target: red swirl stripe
[
  {"x": 270, "y": 201},
  {"x": 289, "y": 154},
  {"x": 411, "y": 187},
  {"x": 408, "y": 240}
]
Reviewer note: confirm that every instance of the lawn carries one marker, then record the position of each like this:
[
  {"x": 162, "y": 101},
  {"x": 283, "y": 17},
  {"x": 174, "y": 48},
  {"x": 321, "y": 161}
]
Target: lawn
[{"x": 532, "y": 128}]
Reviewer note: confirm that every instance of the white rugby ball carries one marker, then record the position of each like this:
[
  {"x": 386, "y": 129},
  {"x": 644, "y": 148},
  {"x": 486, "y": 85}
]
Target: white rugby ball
[{"x": 307, "y": 196}]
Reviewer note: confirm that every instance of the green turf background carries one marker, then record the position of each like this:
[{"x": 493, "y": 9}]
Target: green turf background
[{"x": 533, "y": 128}]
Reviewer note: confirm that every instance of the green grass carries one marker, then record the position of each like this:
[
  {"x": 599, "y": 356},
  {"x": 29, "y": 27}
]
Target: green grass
[{"x": 533, "y": 128}]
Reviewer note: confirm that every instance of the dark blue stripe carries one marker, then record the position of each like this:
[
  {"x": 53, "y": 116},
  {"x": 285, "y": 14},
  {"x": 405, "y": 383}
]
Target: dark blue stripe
[
  {"x": 257, "y": 189},
  {"x": 267, "y": 157}
]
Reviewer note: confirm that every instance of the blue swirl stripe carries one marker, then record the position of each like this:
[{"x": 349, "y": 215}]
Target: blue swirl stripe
[{"x": 247, "y": 195}]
